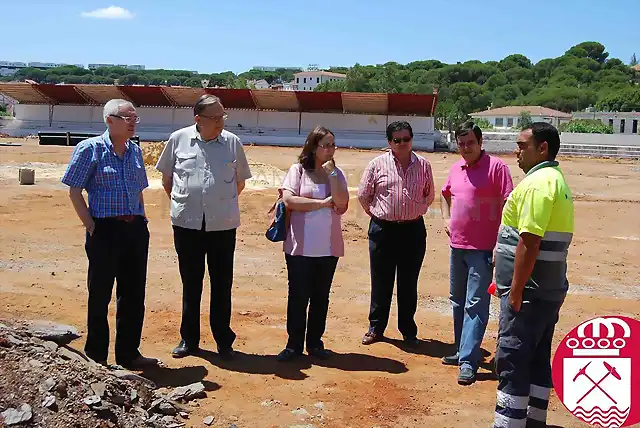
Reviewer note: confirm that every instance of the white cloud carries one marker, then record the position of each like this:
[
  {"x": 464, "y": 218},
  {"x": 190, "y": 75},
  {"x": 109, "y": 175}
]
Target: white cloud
[{"x": 111, "y": 12}]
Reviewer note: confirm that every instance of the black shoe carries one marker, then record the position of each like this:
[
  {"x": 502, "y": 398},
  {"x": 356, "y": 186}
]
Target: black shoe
[
  {"x": 466, "y": 376},
  {"x": 319, "y": 353},
  {"x": 411, "y": 342},
  {"x": 451, "y": 360},
  {"x": 182, "y": 350},
  {"x": 227, "y": 353},
  {"x": 287, "y": 355}
]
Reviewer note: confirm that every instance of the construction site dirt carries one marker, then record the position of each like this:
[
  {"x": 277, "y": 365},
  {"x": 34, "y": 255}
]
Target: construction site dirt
[{"x": 43, "y": 270}]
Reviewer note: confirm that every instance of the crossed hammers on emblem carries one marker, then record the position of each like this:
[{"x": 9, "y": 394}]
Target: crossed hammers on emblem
[{"x": 610, "y": 371}]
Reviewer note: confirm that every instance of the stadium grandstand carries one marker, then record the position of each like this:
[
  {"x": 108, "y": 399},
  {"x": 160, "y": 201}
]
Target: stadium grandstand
[{"x": 258, "y": 116}]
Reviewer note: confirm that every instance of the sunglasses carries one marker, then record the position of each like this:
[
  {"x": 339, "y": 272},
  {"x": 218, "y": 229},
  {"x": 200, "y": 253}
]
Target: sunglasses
[{"x": 401, "y": 140}]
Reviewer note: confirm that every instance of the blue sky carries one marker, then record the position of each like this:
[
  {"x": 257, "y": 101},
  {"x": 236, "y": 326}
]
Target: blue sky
[{"x": 213, "y": 36}]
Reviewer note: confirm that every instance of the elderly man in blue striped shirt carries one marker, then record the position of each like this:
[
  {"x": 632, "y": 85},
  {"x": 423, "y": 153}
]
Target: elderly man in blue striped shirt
[{"x": 110, "y": 168}]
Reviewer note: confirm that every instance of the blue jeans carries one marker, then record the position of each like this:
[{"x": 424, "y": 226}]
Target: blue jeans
[{"x": 470, "y": 275}]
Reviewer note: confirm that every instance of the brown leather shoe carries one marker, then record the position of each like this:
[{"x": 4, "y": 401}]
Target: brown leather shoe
[{"x": 371, "y": 337}]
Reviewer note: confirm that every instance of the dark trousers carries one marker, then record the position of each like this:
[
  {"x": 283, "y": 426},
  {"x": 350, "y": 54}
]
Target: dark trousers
[
  {"x": 523, "y": 362},
  {"x": 310, "y": 281},
  {"x": 396, "y": 252},
  {"x": 118, "y": 251},
  {"x": 219, "y": 247}
]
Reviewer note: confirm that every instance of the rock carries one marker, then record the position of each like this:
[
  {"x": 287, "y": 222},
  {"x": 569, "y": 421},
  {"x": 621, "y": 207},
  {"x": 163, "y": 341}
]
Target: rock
[
  {"x": 187, "y": 393},
  {"x": 59, "y": 333},
  {"x": 61, "y": 389},
  {"x": 98, "y": 388},
  {"x": 168, "y": 419},
  {"x": 133, "y": 396},
  {"x": 67, "y": 354},
  {"x": 166, "y": 408},
  {"x": 127, "y": 375},
  {"x": 269, "y": 403},
  {"x": 175, "y": 425},
  {"x": 48, "y": 384},
  {"x": 319, "y": 405},
  {"x": 15, "y": 341},
  {"x": 184, "y": 415},
  {"x": 91, "y": 400},
  {"x": 300, "y": 412},
  {"x": 50, "y": 346},
  {"x": 208, "y": 420},
  {"x": 17, "y": 416},
  {"x": 49, "y": 402}
]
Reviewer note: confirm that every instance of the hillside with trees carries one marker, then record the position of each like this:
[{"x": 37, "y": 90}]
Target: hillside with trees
[{"x": 585, "y": 76}]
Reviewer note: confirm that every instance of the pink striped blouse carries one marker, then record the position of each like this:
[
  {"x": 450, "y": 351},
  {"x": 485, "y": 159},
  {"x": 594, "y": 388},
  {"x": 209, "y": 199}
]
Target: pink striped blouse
[{"x": 389, "y": 193}]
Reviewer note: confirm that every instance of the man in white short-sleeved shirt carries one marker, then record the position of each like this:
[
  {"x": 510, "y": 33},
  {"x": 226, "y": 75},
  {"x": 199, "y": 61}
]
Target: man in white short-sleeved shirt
[{"x": 204, "y": 169}]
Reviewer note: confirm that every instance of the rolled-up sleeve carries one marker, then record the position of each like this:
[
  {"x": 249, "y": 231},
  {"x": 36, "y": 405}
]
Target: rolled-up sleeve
[
  {"x": 243, "y": 172},
  {"x": 81, "y": 167}
]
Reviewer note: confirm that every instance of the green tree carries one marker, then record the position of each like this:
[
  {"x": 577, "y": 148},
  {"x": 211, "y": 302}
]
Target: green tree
[
  {"x": 483, "y": 123},
  {"x": 586, "y": 126},
  {"x": 524, "y": 120},
  {"x": 634, "y": 60}
]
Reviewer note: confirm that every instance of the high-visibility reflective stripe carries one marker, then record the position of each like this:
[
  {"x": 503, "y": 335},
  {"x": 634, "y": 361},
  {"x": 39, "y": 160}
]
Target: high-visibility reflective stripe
[
  {"x": 502, "y": 421},
  {"x": 512, "y": 401},
  {"x": 539, "y": 392}
]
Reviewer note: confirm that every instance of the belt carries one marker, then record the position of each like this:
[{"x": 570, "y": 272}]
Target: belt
[
  {"x": 125, "y": 218},
  {"x": 397, "y": 221}
]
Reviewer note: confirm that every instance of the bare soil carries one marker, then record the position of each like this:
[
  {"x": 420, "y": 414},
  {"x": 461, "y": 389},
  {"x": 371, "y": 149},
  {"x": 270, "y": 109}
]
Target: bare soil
[{"x": 43, "y": 276}]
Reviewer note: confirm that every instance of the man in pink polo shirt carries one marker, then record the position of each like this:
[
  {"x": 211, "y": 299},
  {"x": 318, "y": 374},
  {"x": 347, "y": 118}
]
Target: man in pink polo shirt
[{"x": 471, "y": 202}]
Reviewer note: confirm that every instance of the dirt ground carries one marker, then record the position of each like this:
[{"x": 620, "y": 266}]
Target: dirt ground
[{"x": 43, "y": 276}]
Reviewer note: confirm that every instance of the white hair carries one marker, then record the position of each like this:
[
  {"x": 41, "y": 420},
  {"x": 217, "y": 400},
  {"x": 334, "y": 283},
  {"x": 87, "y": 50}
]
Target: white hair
[{"x": 112, "y": 107}]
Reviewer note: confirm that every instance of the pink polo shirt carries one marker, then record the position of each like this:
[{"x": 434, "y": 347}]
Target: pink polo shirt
[{"x": 477, "y": 195}]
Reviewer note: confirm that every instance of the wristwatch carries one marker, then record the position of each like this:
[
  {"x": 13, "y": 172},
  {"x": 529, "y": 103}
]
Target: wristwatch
[{"x": 333, "y": 173}]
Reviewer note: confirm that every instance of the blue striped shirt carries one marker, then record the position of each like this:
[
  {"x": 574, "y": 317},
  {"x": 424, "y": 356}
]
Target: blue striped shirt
[{"x": 114, "y": 185}]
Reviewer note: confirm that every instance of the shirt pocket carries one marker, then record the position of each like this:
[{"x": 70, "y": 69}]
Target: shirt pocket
[
  {"x": 107, "y": 176},
  {"x": 186, "y": 163}
]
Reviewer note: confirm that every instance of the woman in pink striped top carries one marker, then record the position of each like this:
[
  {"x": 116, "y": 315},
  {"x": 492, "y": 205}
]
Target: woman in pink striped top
[{"x": 315, "y": 192}]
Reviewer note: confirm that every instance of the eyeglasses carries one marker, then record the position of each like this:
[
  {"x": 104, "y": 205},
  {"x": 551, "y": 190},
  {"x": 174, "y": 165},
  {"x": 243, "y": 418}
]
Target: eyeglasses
[
  {"x": 327, "y": 146},
  {"x": 401, "y": 140},
  {"x": 127, "y": 119},
  {"x": 216, "y": 118}
]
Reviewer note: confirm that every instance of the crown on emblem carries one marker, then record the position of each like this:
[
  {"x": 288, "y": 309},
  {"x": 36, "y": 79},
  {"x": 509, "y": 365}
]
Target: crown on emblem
[{"x": 599, "y": 342}]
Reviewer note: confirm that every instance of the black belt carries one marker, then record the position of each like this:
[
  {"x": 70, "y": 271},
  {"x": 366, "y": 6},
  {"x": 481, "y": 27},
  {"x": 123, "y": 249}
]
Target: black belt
[
  {"x": 379, "y": 220},
  {"x": 126, "y": 218}
]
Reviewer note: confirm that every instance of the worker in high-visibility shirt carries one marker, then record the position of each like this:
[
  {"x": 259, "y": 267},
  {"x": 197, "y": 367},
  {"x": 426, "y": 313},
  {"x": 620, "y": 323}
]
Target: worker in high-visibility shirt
[{"x": 531, "y": 276}]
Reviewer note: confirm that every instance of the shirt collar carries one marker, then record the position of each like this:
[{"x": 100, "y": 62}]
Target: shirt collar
[
  {"x": 481, "y": 159},
  {"x": 395, "y": 159},
  {"x": 541, "y": 165},
  {"x": 197, "y": 136},
  {"x": 107, "y": 140}
]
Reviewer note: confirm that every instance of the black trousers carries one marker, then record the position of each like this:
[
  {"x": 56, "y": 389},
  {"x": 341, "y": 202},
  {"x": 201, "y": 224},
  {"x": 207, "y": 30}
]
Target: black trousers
[
  {"x": 310, "y": 281},
  {"x": 117, "y": 250},
  {"x": 396, "y": 251},
  {"x": 219, "y": 248}
]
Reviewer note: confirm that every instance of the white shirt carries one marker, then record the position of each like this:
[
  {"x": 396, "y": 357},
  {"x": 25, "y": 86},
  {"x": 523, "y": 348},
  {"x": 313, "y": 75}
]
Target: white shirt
[{"x": 205, "y": 175}]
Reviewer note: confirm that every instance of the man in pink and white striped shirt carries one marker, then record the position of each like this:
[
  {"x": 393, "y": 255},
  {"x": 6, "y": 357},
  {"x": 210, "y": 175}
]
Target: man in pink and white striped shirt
[{"x": 395, "y": 191}]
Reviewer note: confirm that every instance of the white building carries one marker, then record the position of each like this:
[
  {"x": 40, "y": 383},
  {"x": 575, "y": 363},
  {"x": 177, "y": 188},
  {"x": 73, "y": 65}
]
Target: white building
[
  {"x": 128, "y": 67},
  {"x": 308, "y": 80},
  {"x": 507, "y": 117},
  {"x": 621, "y": 122},
  {"x": 258, "y": 84}
]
